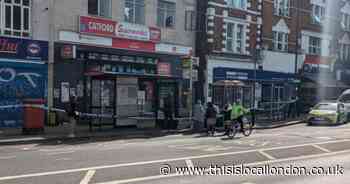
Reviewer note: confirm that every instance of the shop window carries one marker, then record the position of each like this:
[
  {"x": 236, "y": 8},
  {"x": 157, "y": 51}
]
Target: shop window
[
  {"x": 100, "y": 8},
  {"x": 166, "y": 14},
  {"x": 134, "y": 11},
  {"x": 15, "y": 16}
]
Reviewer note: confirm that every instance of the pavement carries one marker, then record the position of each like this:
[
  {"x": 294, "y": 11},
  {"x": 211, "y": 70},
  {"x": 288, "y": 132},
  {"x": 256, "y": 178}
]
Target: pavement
[
  {"x": 140, "y": 160},
  {"x": 15, "y": 136}
]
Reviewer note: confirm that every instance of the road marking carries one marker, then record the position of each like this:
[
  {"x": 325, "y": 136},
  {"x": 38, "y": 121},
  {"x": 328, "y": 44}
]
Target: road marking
[
  {"x": 7, "y": 157},
  {"x": 321, "y": 148},
  {"x": 63, "y": 159},
  {"x": 59, "y": 153},
  {"x": 189, "y": 163},
  {"x": 266, "y": 155},
  {"x": 142, "y": 179},
  {"x": 180, "y": 159},
  {"x": 88, "y": 177}
]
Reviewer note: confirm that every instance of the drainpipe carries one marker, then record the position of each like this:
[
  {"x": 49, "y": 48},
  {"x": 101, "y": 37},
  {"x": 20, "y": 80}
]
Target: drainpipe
[{"x": 50, "y": 75}]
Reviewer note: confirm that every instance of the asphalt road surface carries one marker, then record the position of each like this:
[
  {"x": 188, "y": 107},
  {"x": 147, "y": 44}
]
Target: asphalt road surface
[{"x": 141, "y": 160}]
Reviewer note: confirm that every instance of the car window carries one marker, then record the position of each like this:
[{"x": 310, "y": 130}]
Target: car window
[
  {"x": 345, "y": 98},
  {"x": 326, "y": 107}
]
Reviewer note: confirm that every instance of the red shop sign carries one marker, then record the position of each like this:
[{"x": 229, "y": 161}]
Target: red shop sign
[
  {"x": 98, "y": 26},
  {"x": 133, "y": 44}
]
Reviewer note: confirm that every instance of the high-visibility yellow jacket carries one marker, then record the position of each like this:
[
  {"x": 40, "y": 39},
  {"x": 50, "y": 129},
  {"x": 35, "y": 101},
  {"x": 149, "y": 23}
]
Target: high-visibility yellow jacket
[{"x": 237, "y": 111}]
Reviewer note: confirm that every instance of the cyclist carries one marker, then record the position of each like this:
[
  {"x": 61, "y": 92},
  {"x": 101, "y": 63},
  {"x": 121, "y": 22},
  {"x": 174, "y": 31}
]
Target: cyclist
[{"x": 237, "y": 112}]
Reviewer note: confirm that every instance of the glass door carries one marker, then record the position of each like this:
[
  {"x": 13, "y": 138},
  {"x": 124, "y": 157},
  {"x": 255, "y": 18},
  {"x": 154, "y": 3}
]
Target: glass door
[{"x": 103, "y": 98}]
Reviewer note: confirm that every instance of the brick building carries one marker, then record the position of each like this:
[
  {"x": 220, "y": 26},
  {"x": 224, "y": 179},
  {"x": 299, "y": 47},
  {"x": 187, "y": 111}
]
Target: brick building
[{"x": 224, "y": 45}]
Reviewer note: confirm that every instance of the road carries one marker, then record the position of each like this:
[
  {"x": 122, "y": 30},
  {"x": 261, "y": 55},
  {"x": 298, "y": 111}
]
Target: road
[{"x": 139, "y": 160}]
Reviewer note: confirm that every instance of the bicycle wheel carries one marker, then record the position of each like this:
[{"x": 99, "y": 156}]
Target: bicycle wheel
[
  {"x": 232, "y": 131},
  {"x": 247, "y": 127}
]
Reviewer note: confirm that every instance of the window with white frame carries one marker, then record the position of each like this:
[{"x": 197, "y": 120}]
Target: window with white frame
[
  {"x": 134, "y": 11},
  {"x": 15, "y": 17},
  {"x": 281, "y": 7},
  {"x": 166, "y": 14},
  {"x": 280, "y": 41},
  {"x": 190, "y": 20},
  {"x": 318, "y": 14},
  {"x": 314, "y": 45},
  {"x": 100, "y": 8},
  {"x": 345, "y": 21},
  {"x": 240, "y": 4},
  {"x": 345, "y": 51},
  {"x": 235, "y": 38}
]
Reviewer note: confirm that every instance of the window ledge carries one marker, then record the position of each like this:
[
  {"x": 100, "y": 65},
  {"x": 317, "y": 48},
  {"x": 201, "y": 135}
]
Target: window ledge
[{"x": 98, "y": 16}]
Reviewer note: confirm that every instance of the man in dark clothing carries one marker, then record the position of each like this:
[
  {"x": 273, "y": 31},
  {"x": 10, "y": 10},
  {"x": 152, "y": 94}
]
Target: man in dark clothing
[{"x": 168, "y": 111}]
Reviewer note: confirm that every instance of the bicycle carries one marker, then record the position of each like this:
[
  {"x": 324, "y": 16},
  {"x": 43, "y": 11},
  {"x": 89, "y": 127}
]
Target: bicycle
[{"x": 236, "y": 126}]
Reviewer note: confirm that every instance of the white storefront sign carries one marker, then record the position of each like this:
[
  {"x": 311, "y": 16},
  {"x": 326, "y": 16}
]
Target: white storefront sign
[
  {"x": 132, "y": 31},
  {"x": 84, "y": 39},
  {"x": 175, "y": 49}
]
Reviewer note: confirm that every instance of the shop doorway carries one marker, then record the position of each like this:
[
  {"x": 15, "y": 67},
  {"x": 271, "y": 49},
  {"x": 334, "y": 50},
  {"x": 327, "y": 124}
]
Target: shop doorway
[{"x": 103, "y": 99}]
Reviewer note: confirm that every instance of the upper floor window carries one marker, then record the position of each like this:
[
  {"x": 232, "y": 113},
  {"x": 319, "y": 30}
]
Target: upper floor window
[
  {"x": 190, "y": 20},
  {"x": 134, "y": 11},
  {"x": 314, "y": 45},
  {"x": 166, "y": 14},
  {"x": 280, "y": 41},
  {"x": 15, "y": 17},
  {"x": 345, "y": 51},
  {"x": 100, "y": 8},
  {"x": 281, "y": 7},
  {"x": 318, "y": 14},
  {"x": 345, "y": 21},
  {"x": 241, "y": 4},
  {"x": 235, "y": 38}
]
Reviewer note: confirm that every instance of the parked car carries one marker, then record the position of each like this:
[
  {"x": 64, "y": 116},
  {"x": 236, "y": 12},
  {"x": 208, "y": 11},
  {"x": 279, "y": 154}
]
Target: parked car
[
  {"x": 327, "y": 113},
  {"x": 345, "y": 99}
]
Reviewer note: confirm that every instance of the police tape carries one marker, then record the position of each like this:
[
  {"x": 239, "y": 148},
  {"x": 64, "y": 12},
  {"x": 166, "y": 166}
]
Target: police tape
[{"x": 81, "y": 114}]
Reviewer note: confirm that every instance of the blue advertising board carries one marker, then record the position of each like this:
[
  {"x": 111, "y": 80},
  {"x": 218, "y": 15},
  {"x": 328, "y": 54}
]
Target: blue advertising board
[
  {"x": 19, "y": 81},
  {"x": 23, "y": 74},
  {"x": 246, "y": 74},
  {"x": 15, "y": 48}
]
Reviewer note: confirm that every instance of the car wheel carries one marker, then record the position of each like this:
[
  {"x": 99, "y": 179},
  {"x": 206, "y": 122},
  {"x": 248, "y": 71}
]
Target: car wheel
[{"x": 309, "y": 123}]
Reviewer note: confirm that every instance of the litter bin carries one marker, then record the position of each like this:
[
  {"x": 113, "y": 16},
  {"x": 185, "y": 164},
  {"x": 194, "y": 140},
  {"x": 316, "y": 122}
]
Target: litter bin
[{"x": 33, "y": 116}]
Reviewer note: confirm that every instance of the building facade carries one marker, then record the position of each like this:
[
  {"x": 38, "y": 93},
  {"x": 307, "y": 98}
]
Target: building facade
[
  {"x": 122, "y": 58},
  {"x": 23, "y": 57}
]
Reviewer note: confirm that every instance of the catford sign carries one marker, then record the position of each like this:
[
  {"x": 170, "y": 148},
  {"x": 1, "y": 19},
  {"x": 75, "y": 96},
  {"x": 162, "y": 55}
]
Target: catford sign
[{"x": 106, "y": 27}]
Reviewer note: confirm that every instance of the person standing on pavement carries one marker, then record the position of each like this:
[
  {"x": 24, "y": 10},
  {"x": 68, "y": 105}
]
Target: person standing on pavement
[
  {"x": 168, "y": 111},
  {"x": 73, "y": 115},
  {"x": 227, "y": 116},
  {"x": 210, "y": 116},
  {"x": 198, "y": 115}
]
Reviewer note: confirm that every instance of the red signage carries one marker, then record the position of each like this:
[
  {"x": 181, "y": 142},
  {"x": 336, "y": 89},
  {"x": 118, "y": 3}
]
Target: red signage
[
  {"x": 106, "y": 27},
  {"x": 6, "y": 46},
  {"x": 164, "y": 69},
  {"x": 98, "y": 26},
  {"x": 133, "y": 44},
  {"x": 155, "y": 34}
]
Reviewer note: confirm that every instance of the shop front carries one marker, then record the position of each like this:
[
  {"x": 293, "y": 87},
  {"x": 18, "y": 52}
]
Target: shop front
[
  {"x": 320, "y": 80},
  {"x": 270, "y": 87},
  {"x": 122, "y": 83},
  {"x": 123, "y": 73},
  {"x": 23, "y": 75}
]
